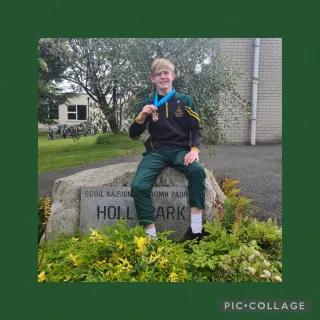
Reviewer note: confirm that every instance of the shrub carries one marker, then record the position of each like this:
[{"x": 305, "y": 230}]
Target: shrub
[
  {"x": 114, "y": 253},
  {"x": 119, "y": 254},
  {"x": 227, "y": 186},
  {"x": 44, "y": 210},
  {"x": 111, "y": 138}
]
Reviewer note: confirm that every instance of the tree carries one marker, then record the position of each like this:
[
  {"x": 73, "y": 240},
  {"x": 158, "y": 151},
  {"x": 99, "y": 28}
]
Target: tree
[
  {"x": 100, "y": 68},
  {"x": 51, "y": 64}
]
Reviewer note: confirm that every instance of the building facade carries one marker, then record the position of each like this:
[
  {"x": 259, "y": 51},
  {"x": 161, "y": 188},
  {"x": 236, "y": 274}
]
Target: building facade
[
  {"x": 269, "y": 99},
  {"x": 79, "y": 109}
]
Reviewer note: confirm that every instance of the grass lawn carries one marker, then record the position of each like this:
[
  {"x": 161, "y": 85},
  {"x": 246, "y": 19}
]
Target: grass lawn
[{"x": 62, "y": 153}]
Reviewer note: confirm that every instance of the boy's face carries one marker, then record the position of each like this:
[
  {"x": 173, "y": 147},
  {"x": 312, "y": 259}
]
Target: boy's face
[{"x": 163, "y": 81}]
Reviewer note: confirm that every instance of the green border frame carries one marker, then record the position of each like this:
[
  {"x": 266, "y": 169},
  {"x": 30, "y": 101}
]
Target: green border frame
[{"x": 23, "y": 24}]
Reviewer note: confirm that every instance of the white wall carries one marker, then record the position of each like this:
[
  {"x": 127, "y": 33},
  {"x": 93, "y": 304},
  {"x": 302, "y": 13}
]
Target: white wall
[
  {"x": 80, "y": 100},
  {"x": 269, "y": 104}
]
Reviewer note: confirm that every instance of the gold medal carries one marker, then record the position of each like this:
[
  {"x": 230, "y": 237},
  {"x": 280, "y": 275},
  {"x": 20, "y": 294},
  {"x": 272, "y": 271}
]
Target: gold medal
[{"x": 155, "y": 116}]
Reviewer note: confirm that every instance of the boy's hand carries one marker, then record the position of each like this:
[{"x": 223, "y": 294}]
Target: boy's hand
[
  {"x": 147, "y": 109},
  {"x": 191, "y": 156}
]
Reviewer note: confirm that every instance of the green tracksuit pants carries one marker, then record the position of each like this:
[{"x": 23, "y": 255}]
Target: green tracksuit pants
[{"x": 149, "y": 168}]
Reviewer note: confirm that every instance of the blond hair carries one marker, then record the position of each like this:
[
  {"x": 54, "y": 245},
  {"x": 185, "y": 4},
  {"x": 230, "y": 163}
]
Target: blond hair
[{"x": 159, "y": 65}]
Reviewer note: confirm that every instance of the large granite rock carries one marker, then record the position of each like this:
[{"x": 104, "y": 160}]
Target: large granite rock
[{"x": 70, "y": 211}]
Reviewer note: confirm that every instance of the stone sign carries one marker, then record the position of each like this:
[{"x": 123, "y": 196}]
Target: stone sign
[
  {"x": 100, "y": 196},
  {"x": 101, "y": 206}
]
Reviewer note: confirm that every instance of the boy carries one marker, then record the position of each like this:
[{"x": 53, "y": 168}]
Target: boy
[{"x": 171, "y": 119}]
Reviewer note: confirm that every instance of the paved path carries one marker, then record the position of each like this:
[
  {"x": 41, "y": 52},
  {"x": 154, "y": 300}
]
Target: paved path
[{"x": 259, "y": 169}]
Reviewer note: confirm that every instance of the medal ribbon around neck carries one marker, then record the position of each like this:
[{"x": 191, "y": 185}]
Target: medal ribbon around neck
[{"x": 164, "y": 99}]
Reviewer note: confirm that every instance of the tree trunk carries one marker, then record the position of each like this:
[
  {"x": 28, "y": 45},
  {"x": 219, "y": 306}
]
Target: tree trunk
[
  {"x": 113, "y": 124},
  {"x": 109, "y": 114},
  {"x": 120, "y": 123}
]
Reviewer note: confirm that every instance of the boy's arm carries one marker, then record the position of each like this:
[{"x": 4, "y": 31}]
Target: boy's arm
[{"x": 194, "y": 121}]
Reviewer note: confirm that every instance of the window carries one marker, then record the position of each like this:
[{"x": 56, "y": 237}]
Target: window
[{"x": 77, "y": 112}]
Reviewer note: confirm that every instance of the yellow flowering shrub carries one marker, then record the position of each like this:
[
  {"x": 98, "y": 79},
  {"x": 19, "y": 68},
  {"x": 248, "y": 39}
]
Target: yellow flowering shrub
[{"x": 119, "y": 254}]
